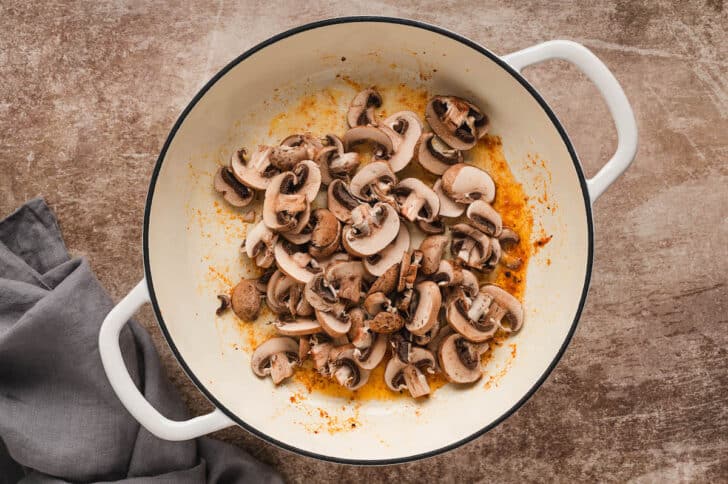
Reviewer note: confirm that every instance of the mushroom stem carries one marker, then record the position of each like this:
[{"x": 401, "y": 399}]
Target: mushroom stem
[
  {"x": 416, "y": 381},
  {"x": 478, "y": 306},
  {"x": 280, "y": 367},
  {"x": 412, "y": 206}
]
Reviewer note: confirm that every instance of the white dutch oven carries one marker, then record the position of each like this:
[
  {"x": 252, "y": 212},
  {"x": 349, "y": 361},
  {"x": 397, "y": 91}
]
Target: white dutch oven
[{"x": 375, "y": 48}]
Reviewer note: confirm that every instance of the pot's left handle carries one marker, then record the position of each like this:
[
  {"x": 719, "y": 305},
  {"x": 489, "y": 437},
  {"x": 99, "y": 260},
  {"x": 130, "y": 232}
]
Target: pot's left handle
[{"x": 126, "y": 390}]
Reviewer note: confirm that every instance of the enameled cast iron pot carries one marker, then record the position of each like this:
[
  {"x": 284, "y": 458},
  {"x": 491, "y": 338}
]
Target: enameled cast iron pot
[{"x": 375, "y": 49}]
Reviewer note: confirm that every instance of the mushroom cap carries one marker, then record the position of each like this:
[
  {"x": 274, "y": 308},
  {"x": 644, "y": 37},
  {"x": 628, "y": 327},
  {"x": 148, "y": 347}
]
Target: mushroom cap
[
  {"x": 376, "y": 302},
  {"x": 233, "y": 192},
  {"x": 261, "y": 360},
  {"x": 417, "y": 201},
  {"x": 340, "y": 200},
  {"x": 432, "y": 248},
  {"x": 319, "y": 293},
  {"x": 380, "y": 262},
  {"x": 373, "y": 177},
  {"x": 431, "y": 228},
  {"x": 435, "y": 156},
  {"x": 346, "y": 276},
  {"x": 514, "y": 317},
  {"x": 470, "y": 245},
  {"x": 508, "y": 238},
  {"x": 309, "y": 177},
  {"x": 450, "y": 355},
  {"x": 294, "y": 262},
  {"x": 276, "y": 202},
  {"x": 466, "y": 183},
  {"x": 347, "y": 371},
  {"x": 256, "y": 172},
  {"x": 405, "y": 129},
  {"x": 259, "y": 243},
  {"x": 333, "y": 326},
  {"x": 245, "y": 300},
  {"x": 386, "y": 322},
  {"x": 485, "y": 218},
  {"x": 428, "y": 307},
  {"x": 382, "y": 231},
  {"x": 361, "y": 110},
  {"x": 375, "y": 354},
  {"x": 279, "y": 287},
  {"x": 457, "y": 317},
  {"x": 448, "y": 206},
  {"x": 325, "y": 234},
  {"x": 369, "y": 133},
  {"x": 420, "y": 358},
  {"x": 457, "y": 121},
  {"x": 387, "y": 282},
  {"x": 298, "y": 327}
]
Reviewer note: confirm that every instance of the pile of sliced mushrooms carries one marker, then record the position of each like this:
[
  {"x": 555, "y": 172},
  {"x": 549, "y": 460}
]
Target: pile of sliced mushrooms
[{"x": 339, "y": 270}]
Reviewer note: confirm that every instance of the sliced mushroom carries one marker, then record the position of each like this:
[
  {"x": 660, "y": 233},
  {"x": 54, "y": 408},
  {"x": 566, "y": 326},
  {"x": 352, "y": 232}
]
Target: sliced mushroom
[
  {"x": 284, "y": 296},
  {"x": 387, "y": 282},
  {"x": 377, "y": 264},
  {"x": 457, "y": 121},
  {"x": 295, "y": 261},
  {"x": 233, "y": 192},
  {"x": 472, "y": 318},
  {"x": 341, "y": 201},
  {"x": 321, "y": 347},
  {"x": 320, "y": 293},
  {"x": 347, "y": 372},
  {"x": 293, "y": 150},
  {"x": 346, "y": 278},
  {"x": 405, "y": 129},
  {"x": 377, "y": 302},
  {"x": 508, "y": 240},
  {"x": 386, "y": 322},
  {"x": 334, "y": 162},
  {"x": 373, "y": 182},
  {"x": 460, "y": 359},
  {"x": 407, "y": 276},
  {"x": 494, "y": 257},
  {"x": 245, "y": 300},
  {"x": 505, "y": 310},
  {"x": 298, "y": 327},
  {"x": 286, "y": 207},
  {"x": 427, "y": 305},
  {"x": 485, "y": 218},
  {"x": 416, "y": 200},
  {"x": 276, "y": 357},
  {"x": 431, "y": 228},
  {"x": 325, "y": 234},
  {"x": 361, "y": 110},
  {"x": 369, "y": 357},
  {"x": 256, "y": 172},
  {"x": 371, "y": 229},
  {"x": 448, "y": 206},
  {"x": 432, "y": 248},
  {"x": 399, "y": 375},
  {"x": 259, "y": 244},
  {"x": 334, "y": 325},
  {"x": 383, "y": 147},
  {"x": 435, "y": 155},
  {"x": 304, "y": 348},
  {"x": 466, "y": 183},
  {"x": 470, "y": 245}
]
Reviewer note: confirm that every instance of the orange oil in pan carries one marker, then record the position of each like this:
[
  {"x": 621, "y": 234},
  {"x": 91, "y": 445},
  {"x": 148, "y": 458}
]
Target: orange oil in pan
[{"x": 324, "y": 112}]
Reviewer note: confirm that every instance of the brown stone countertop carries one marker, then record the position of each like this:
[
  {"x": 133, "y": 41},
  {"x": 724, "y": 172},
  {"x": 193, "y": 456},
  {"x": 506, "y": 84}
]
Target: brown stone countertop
[{"x": 89, "y": 91}]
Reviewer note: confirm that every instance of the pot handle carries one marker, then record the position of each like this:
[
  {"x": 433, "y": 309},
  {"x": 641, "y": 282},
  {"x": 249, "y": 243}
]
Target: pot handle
[
  {"x": 126, "y": 390},
  {"x": 611, "y": 91}
]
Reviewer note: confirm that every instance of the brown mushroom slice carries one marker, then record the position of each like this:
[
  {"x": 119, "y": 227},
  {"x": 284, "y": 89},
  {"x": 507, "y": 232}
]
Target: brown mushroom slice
[
  {"x": 341, "y": 201},
  {"x": 304, "y": 348},
  {"x": 494, "y": 257},
  {"x": 320, "y": 349},
  {"x": 369, "y": 357},
  {"x": 377, "y": 302},
  {"x": 416, "y": 200},
  {"x": 435, "y": 156},
  {"x": 428, "y": 302},
  {"x": 256, "y": 172},
  {"x": 485, "y": 218},
  {"x": 278, "y": 291},
  {"x": 508, "y": 240},
  {"x": 276, "y": 357},
  {"x": 399, "y": 375},
  {"x": 346, "y": 278},
  {"x": 361, "y": 110},
  {"x": 405, "y": 130},
  {"x": 448, "y": 206},
  {"x": 359, "y": 333},
  {"x": 466, "y": 183},
  {"x": 387, "y": 282},
  {"x": 432, "y": 248},
  {"x": 320, "y": 294},
  {"x": 506, "y": 311},
  {"x": 259, "y": 244},
  {"x": 459, "y": 359},
  {"x": 471, "y": 318},
  {"x": 373, "y": 182},
  {"x": 450, "y": 274},
  {"x": 245, "y": 300},
  {"x": 437, "y": 339},
  {"x": 435, "y": 227},
  {"x": 334, "y": 162},
  {"x": 469, "y": 245},
  {"x": 457, "y": 121},
  {"x": 325, "y": 233},
  {"x": 233, "y": 192},
  {"x": 295, "y": 261},
  {"x": 371, "y": 229},
  {"x": 347, "y": 372},
  {"x": 283, "y": 208},
  {"x": 377, "y": 264},
  {"x": 383, "y": 147},
  {"x": 386, "y": 322},
  {"x": 293, "y": 150},
  {"x": 331, "y": 324},
  {"x": 407, "y": 276},
  {"x": 298, "y": 327}
]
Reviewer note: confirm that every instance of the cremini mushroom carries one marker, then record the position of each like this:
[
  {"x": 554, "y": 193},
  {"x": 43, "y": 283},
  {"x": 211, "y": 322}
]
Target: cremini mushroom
[
  {"x": 457, "y": 121},
  {"x": 382, "y": 142},
  {"x": 409, "y": 266},
  {"x": 473, "y": 317},
  {"x": 505, "y": 310},
  {"x": 459, "y": 359},
  {"x": 466, "y": 183},
  {"x": 333, "y": 324},
  {"x": 508, "y": 240},
  {"x": 287, "y": 202},
  {"x": 293, "y": 150},
  {"x": 416, "y": 200},
  {"x": 361, "y": 110},
  {"x": 371, "y": 229},
  {"x": 373, "y": 182},
  {"x": 451, "y": 275},
  {"x": 321, "y": 347},
  {"x": 325, "y": 233},
  {"x": 276, "y": 357},
  {"x": 334, "y": 162},
  {"x": 233, "y": 192},
  {"x": 256, "y": 172},
  {"x": 448, "y": 206},
  {"x": 377, "y": 264},
  {"x": 435, "y": 155},
  {"x": 405, "y": 129},
  {"x": 259, "y": 244},
  {"x": 347, "y": 371},
  {"x": 400, "y": 375},
  {"x": 295, "y": 261},
  {"x": 284, "y": 296},
  {"x": 387, "y": 282},
  {"x": 245, "y": 300},
  {"x": 424, "y": 308},
  {"x": 485, "y": 218},
  {"x": 431, "y": 228},
  {"x": 432, "y": 248},
  {"x": 469, "y": 245},
  {"x": 386, "y": 322},
  {"x": 298, "y": 327},
  {"x": 341, "y": 201},
  {"x": 345, "y": 277}
]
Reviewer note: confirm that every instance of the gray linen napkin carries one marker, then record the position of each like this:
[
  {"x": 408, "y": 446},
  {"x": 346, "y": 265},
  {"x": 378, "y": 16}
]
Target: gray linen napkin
[{"x": 59, "y": 418}]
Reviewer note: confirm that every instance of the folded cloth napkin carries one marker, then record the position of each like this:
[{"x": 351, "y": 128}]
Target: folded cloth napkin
[{"x": 59, "y": 418}]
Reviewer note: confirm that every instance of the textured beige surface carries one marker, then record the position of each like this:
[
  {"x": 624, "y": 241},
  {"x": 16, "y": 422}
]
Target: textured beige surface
[{"x": 89, "y": 91}]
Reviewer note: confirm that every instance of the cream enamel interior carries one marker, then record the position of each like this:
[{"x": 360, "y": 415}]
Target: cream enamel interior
[{"x": 236, "y": 110}]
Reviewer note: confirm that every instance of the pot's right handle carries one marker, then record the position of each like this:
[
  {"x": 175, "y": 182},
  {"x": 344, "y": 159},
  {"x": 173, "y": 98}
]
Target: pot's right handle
[{"x": 611, "y": 91}]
